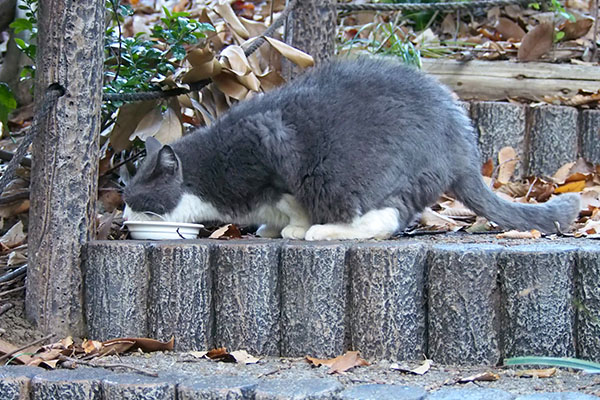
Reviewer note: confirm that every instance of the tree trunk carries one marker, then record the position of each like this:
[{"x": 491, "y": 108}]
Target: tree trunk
[
  {"x": 65, "y": 161},
  {"x": 311, "y": 28}
]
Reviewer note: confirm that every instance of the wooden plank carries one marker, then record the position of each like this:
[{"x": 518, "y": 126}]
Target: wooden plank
[
  {"x": 65, "y": 171},
  {"x": 499, "y": 80}
]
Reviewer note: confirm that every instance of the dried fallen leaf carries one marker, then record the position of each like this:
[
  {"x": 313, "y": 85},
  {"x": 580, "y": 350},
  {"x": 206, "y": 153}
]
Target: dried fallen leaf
[
  {"x": 561, "y": 175},
  {"x": 223, "y": 8},
  {"x": 128, "y": 119},
  {"x": 242, "y": 357},
  {"x": 296, "y": 56},
  {"x": 482, "y": 377},
  {"x": 509, "y": 29},
  {"x": 91, "y": 346},
  {"x": 22, "y": 357},
  {"x": 532, "y": 234},
  {"x": 420, "y": 370},
  {"x": 507, "y": 163},
  {"x": 577, "y": 29},
  {"x": 537, "y": 373},
  {"x": 13, "y": 237},
  {"x": 341, "y": 363},
  {"x": 487, "y": 169},
  {"x": 536, "y": 42},
  {"x": 229, "y": 231},
  {"x": 576, "y": 186}
]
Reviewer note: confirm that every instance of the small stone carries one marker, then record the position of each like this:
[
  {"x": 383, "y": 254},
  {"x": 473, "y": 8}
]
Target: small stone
[
  {"x": 297, "y": 389},
  {"x": 383, "y": 392}
]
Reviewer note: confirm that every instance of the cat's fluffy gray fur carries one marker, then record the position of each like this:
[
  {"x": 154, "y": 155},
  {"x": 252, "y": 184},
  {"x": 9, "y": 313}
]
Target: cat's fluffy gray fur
[{"x": 345, "y": 138}]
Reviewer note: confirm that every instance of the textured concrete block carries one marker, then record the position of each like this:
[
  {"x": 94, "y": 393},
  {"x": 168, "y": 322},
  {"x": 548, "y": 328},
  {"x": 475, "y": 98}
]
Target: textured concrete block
[
  {"x": 590, "y": 135},
  {"x": 216, "y": 388},
  {"x": 297, "y": 389},
  {"x": 246, "y": 295},
  {"x": 537, "y": 291},
  {"x": 78, "y": 384},
  {"x": 587, "y": 300},
  {"x": 463, "y": 304},
  {"x": 383, "y": 392},
  {"x": 552, "y": 139},
  {"x": 470, "y": 394},
  {"x": 499, "y": 125},
  {"x": 388, "y": 316},
  {"x": 179, "y": 301},
  {"x": 115, "y": 291},
  {"x": 138, "y": 387},
  {"x": 313, "y": 299},
  {"x": 15, "y": 381}
]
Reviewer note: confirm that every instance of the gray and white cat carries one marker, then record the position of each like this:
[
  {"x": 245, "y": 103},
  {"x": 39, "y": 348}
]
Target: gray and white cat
[{"x": 349, "y": 150}]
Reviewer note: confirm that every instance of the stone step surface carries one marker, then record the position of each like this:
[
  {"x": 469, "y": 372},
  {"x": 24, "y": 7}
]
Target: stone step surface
[
  {"x": 274, "y": 380},
  {"x": 458, "y": 299}
]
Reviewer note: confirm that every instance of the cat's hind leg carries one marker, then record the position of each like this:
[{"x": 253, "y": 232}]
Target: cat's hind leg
[
  {"x": 299, "y": 219},
  {"x": 287, "y": 219},
  {"x": 375, "y": 224}
]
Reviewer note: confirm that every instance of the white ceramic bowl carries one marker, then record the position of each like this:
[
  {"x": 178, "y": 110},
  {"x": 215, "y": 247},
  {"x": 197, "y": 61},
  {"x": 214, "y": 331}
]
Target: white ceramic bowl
[{"x": 161, "y": 230}]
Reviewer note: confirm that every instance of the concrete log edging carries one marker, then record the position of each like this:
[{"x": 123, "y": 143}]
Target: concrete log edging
[
  {"x": 544, "y": 137},
  {"x": 465, "y": 303}
]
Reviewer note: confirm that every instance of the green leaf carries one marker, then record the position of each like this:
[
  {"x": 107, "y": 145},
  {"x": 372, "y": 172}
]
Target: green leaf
[
  {"x": 558, "y": 36},
  {"x": 7, "y": 99},
  {"x": 535, "y": 6},
  {"x": 7, "y": 103},
  {"x": 21, "y": 24},
  {"x": 21, "y": 44},
  {"x": 565, "y": 362},
  {"x": 178, "y": 52}
]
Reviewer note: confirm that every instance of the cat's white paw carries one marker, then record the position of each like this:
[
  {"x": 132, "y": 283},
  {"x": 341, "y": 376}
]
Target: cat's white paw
[
  {"x": 294, "y": 232},
  {"x": 268, "y": 231},
  {"x": 322, "y": 232}
]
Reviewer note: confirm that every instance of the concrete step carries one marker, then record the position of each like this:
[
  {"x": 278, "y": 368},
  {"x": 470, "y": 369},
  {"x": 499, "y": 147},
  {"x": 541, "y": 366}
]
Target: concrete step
[
  {"x": 17, "y": 382},
  {"x": 460, "y": 299}
]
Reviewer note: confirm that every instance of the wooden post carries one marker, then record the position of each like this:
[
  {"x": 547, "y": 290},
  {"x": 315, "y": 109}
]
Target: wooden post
[
  {"x": 65, "y": 161},
  {"x": 311, "y": 28}
]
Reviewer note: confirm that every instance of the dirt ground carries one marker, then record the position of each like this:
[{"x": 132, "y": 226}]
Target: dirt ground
[{"x": 14, "y": 328}]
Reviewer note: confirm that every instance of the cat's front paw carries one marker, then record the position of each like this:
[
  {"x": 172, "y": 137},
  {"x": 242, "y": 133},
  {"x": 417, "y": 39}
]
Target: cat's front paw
[
  {"x": 322, "y": 232},
  {"x": 294, "y": 232}
]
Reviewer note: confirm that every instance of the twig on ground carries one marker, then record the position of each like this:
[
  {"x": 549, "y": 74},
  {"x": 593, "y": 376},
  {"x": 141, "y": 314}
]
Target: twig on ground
[
  {"x": 97, "y": 365},
  {"x": 13, "y": 274},
  {"x": 275, "y": 371},
  {"x": 28, "y": 345},
  {"x": 12, "y": 290},
  {"x": 5, "y": 307}
]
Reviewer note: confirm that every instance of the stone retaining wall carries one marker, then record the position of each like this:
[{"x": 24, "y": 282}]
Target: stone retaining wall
[{"x": 459, "y": 303}]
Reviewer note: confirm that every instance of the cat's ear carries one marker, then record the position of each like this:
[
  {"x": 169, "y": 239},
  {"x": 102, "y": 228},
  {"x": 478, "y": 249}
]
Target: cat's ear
[
  {"x": 167, "y": 161},
  {"x": 152, "y": 145}
]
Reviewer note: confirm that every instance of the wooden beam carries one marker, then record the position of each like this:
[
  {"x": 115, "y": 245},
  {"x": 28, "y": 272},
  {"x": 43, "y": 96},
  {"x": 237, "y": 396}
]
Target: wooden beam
[
  {"x": 499, "y": 80},
  {"x": 65, "y": 166}
]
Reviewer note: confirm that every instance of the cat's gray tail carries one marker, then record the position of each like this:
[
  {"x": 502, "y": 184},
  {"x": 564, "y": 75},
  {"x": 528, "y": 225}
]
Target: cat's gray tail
[{"x": 474, "y": 193}]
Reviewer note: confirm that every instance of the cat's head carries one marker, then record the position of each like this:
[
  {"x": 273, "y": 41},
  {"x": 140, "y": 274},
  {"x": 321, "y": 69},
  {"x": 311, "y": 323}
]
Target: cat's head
[{"x": 156, "y": 190}]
